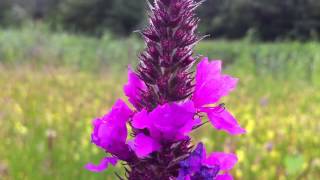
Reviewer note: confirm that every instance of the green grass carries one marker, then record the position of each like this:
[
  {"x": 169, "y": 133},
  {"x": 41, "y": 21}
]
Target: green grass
[
  {"x": 37, "y": 46},
  {"x": 53, "y": 84}
]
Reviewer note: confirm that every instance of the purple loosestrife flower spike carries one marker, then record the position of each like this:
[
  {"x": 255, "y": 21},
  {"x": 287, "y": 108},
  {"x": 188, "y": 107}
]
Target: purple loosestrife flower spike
[{"x": 169, "y": 104}]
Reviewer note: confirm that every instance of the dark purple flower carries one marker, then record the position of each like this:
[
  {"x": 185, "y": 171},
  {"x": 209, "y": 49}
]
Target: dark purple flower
[
  {"x": 193, "y": 163},
  {"x": 200, "y": 167}
]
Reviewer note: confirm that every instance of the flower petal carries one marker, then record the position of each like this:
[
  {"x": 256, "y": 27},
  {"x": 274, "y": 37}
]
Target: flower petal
[
  {"x": 110, "y": 131},
  {"x": 141, "y": 120},
  {"x": 206, "y": 173},
  {"x": 205, "y": 67},
  {"x": 143, "y": 145},
  {"x": 133, "y": 88},
  {"x": 194, "y": 162},
  {"x": 225, "y": 176},
  {"x": 223, "y": 120},
  {"x": 104, "y": 163},
  {"x": 189, "y": 126},
  {"x": 226, "y": 161},
  {"x": 119, "y": 113},
  {"x": 211, "y": 85},
  {"x": 182, "y": 177},
  {"x": 172, "y": 121}
]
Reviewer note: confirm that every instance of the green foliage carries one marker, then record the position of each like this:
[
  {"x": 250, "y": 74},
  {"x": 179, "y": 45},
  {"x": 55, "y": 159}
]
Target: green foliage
[
  {"x": 4, "y": 4},
  {"x": 120, "y": 16},
  {"x": 271, "y": 19},
  {"x": 294, "y": 164},
  {"x": 35, "y": 45},
  {"x": 281, "y": 61}
]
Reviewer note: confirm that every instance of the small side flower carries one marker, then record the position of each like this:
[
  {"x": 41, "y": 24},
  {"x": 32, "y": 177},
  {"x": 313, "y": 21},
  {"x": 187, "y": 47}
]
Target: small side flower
[
  {"x": 200, "y": 166},
  {"x": 110, "y": 134},
  {"x": 210, "y": 86}
]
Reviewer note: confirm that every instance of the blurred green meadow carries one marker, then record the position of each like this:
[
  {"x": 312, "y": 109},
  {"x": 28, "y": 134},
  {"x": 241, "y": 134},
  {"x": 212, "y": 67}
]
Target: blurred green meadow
[{"x": 53, "y": 84}]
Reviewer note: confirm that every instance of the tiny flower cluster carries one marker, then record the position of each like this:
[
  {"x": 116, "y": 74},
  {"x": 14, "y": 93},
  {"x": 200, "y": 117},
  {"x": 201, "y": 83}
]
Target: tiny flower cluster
[{"x": 169, "y": 102}]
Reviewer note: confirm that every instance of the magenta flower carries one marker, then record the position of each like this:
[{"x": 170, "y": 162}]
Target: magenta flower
[
  {"x": 143, "y": 145},
  {"x": 210, "y": 86},
  {"x": 110, "y": 131},
  {"x": 104, "y": 163},
  {"x": 199, "y": 166},
  {"x": 134, "y": 88},
  {"x": 167, "y": 123}
]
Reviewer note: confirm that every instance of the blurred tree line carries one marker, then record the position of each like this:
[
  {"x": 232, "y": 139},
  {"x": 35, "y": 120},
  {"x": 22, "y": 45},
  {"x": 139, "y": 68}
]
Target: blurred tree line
[{"x": 260, "y": 19}]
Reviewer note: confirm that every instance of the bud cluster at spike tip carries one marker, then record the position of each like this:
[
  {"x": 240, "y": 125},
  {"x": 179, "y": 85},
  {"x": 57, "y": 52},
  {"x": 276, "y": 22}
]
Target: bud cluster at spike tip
[
  {"x": 165, "y": 63},
  {"x": 169, "y": 103}
]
